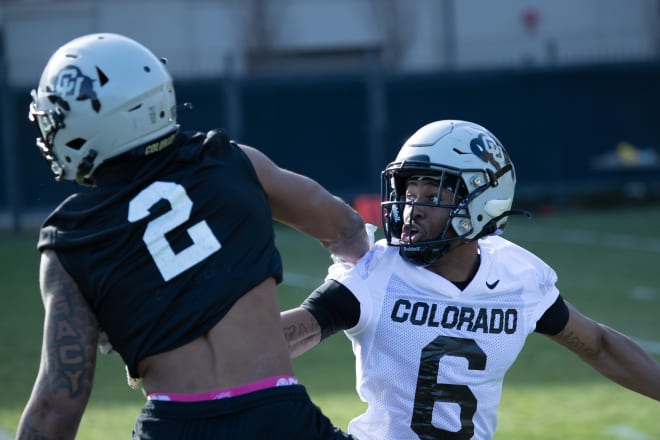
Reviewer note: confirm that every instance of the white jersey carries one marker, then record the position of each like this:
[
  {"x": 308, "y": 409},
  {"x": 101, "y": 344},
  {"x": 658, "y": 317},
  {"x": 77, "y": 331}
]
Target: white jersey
[{"x": 430, "y": 358}]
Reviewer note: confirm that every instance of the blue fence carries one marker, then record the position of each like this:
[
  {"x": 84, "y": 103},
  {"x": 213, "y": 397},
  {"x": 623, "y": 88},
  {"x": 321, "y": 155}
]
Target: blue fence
[{"x": 342, "y": 130}]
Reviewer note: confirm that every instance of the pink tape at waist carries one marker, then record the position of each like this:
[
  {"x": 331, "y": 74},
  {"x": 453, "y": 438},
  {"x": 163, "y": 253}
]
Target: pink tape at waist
[{"x": 269, "y": 382}]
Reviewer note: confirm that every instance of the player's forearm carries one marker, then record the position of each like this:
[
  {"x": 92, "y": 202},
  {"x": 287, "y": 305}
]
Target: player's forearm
[
  {"x": 301, "y": 330},
  {"x": 351, "y": 241},
  {"x": 626, "y": 363},
  {"x": 41, "y": 421},
  {"x": 303, "y": 345}
]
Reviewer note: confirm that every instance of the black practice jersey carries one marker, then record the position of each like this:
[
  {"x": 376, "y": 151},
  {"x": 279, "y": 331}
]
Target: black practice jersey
[{"x": 163, "y": 246}]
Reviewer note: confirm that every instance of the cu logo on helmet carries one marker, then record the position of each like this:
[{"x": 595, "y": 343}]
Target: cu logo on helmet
[
  {"x": 71, "y": 82},
  {"x": 488, "y": 150}
]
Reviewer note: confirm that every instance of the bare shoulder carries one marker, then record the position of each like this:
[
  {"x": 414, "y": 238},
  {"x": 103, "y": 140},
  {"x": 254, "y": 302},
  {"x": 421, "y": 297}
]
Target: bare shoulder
[
  {"x": 302, "y": 203},
  {"x": 260, "y": 161},
  {"x": 272, "y": 176},
  {"x": 252, "y": 153},
  {"x": 286, "y": 189}
]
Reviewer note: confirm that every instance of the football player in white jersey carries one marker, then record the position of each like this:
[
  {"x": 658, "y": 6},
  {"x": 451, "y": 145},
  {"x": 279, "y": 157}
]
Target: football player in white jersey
[{"x": 439, "y": 310}]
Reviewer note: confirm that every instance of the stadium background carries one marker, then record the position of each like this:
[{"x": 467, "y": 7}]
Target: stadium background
[{"x": 331, "y": 89}]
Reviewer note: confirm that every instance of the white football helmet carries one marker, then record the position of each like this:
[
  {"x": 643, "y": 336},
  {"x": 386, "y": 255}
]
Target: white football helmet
[
  {"x": 464, "y": 158},
  {"x": 99, "y": 96}
]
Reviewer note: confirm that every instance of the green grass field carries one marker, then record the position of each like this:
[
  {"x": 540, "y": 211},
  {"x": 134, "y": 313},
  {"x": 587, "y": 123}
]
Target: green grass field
[{"x": 608, "y": 266}]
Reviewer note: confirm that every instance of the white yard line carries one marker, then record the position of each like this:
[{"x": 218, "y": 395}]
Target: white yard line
[
  {"x": 627, "y": 433},
  {"x": 644, "y": 293},
  {"x": 604, "y": 239},
  {"x": 649, "y": 345},
  {"x": 301, "y": 280},
  {"x": 4, "y": 435}
]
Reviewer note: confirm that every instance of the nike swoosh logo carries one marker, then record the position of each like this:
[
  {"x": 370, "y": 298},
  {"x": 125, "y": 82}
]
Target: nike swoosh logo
[{"x": 491, "y": 286}]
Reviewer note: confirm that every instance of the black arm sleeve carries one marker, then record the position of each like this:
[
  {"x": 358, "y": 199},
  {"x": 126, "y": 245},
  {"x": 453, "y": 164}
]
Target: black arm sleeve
[
  {"x": 334, "y": 307},
  {"x": 554, "y": 319}
]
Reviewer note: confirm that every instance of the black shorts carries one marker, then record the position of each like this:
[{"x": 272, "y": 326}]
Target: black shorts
[{"x": 284, "y": 412}]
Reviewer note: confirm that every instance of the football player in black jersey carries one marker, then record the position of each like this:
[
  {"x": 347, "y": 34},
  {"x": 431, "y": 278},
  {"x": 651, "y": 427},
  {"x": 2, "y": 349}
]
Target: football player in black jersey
[
  {"x": 168, "y": 257},
  {"x": 439, "y": 309}
]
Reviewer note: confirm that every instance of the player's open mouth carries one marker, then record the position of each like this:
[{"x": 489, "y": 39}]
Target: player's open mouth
[{"x": 410, "y": 233}]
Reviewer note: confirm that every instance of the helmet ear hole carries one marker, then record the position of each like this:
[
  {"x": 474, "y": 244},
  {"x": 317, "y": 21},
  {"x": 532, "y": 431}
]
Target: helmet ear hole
[
  {"x": 76, "y": 143},
  {"x": 103, "y": 79}
]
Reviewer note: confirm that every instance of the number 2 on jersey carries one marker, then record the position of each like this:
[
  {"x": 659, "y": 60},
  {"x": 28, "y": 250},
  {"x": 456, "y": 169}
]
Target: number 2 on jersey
[
  {"x": 429, "y": 391},
  {"x": 204, "y": 242}
]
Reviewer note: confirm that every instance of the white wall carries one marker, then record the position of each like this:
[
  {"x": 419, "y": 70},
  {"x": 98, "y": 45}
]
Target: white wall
[
  {"x": 578, "y": 31},
  {"x": 201, "y": 36},
  {"x": 317, "y": 25}
]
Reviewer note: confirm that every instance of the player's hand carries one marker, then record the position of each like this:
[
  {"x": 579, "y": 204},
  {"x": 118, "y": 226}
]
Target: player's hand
[
  {"x": 104, "y": 344},
  {"x": 371, "y": 235}
]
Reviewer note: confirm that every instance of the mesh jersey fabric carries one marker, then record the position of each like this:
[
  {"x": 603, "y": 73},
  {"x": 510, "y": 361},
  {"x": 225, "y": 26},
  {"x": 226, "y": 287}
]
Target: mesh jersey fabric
[{"x": 430, "y": 358}]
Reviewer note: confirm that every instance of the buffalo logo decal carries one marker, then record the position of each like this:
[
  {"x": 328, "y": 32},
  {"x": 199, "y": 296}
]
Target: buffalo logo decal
[
  {"x": 70, "y": 82},
  {"x": 488, "y": 150}
]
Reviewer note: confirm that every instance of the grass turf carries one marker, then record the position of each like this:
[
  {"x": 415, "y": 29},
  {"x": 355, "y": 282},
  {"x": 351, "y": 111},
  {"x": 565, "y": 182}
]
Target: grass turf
[{"x": 607, "y": 266}]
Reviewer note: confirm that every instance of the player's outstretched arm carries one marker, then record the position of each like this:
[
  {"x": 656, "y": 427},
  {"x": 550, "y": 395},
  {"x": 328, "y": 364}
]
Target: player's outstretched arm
[
  {"x": 330, "y": 308},
  {"x": 68, "y": 358},
  {"x": 301, "y": 330},
  {"x": 304, "y": 204},
  {"x": 611, "y": 353}
]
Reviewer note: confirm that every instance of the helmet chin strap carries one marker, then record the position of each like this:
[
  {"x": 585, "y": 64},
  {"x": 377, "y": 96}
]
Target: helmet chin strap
[
  {"x": 491, "y": 227},
  {"x": 423, "y": 256}
]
